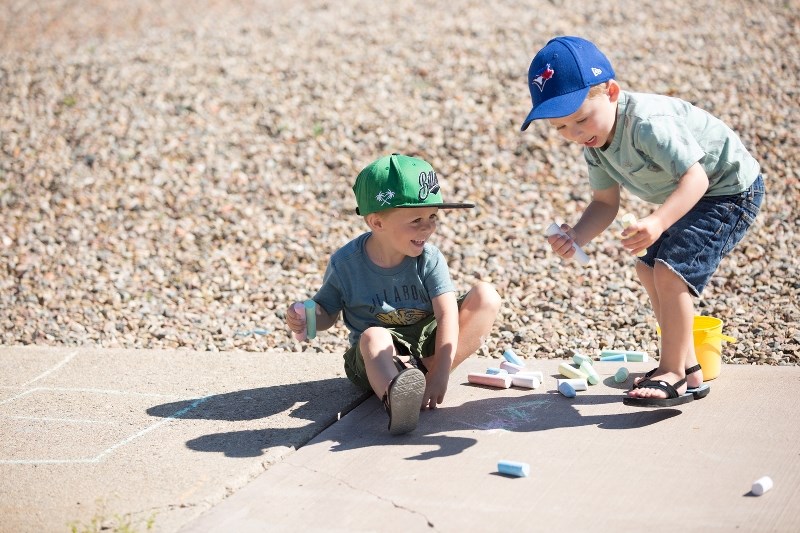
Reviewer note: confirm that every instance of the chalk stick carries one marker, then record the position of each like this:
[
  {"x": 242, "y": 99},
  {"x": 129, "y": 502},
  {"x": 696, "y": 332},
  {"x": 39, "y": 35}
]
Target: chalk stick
[
  {"x": 614, "y": 357},
  {"x": 575, "y": 383},
  {"x": 579, "y": 359},
  {"x": 622, "y": 375},
  {"x": 311, "y": 318},
  {"x": 494, "y": 370},
  {"x": 510, "y": 367},
  {"x": 511, "y": 357},
  {"x": 591, "y": 374},
  {"x": 501, "y": 381},
  {"x": 630, "y": 356},
  {"x": 761, "y": 485},
  {"x": 580, "y": 255},
  {"x": 626, "y": 220},
  {"x": 538, "y": 374},
  {"x": 514, "y": 468},
  {"x": 569, "y": 371},
  {"x": 300, "y": 309},
  {"x": 525, "y": 380},
  {"x": 566, "y": 389}
]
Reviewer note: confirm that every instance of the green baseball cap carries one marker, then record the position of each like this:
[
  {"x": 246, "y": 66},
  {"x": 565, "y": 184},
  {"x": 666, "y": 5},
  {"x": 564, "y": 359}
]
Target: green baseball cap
[{"x": 399, "y": 181}]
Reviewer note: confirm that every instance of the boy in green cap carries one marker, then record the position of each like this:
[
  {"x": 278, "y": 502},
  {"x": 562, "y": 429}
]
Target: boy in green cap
[{"x": 393, "y": 288}]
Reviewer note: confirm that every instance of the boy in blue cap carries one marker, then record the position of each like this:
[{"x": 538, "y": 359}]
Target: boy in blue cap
[
  {"x": 707, "y": 188},
  {"x": 393, "y": 288}
]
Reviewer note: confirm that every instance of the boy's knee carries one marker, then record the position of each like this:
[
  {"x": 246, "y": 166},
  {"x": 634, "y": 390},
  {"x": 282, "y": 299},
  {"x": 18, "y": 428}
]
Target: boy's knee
[
  {"x": 373, "y": 334},
  {"x": 485, "y": 296}
]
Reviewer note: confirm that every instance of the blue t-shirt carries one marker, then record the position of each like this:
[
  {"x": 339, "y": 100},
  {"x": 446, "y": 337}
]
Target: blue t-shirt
[
  {"x": 369, "y": 295},
  {"x": 657, "y": 139}
]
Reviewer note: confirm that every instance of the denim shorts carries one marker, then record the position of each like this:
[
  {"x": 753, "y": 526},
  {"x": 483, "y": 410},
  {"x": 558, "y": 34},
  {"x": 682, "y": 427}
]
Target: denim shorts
[{"x": 694, "y": 246}]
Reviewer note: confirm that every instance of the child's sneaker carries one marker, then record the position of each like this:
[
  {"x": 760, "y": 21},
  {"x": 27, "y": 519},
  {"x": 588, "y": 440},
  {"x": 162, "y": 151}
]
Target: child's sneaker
[{"x": 403, "y": 400}]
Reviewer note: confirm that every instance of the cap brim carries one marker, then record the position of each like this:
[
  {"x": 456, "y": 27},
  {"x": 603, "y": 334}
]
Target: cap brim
[
  {"x": 557, "y": 107},
  {"x": 440, "y": 206}
]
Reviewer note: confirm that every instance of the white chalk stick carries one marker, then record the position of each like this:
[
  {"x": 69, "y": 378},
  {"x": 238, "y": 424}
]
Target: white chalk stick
[
  {"x": 501, "y": 381},
  {"x": 576, "y": 383},
  {"x": 524, "y": 380},
  {"x": 511, "y": 368},
  {"x": 761, "y": 485},
  {"x": 514, "y": 468}
]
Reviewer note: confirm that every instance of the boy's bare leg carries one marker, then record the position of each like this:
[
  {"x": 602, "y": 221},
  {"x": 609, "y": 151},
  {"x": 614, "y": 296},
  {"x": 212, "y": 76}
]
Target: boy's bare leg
[
  {"x": 647, "y": 278},
  {"x": 676, "y": 315},
  {"x": 377, "y": 349},
  {"x": 475, "y": 319}
]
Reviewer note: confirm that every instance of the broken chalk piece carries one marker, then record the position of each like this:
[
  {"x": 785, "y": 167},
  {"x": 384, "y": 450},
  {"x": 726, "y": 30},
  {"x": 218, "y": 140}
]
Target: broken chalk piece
[
  {"x": 527, "y": 381},
  {"x": 502, "y": 381},
  {"x": 514, "y": 468},
  {"x": 511, "y": 357},
  {"x": 622, "y": 375},
  {"x": 566, "y": 389},
  {"x": 591, "y": 374},
  {"x": 761, "y": 485},
  {"x": 494, "y": 370},
  {"x": 580, "y": 255},
  {"x": 579, "y": 359},
  {"x": 569, "y": 371},
  {"x": 577, "y": 384},
  {"x": 311, "y": 318},
  {"x": 510, "y": 367}
]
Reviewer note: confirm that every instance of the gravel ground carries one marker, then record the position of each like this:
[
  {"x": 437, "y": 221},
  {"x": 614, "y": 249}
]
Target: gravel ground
[{"x": 174, "y": 174}]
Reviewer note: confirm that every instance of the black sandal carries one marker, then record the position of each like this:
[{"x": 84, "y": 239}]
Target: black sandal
[
  {"x": 697, "y": 392},
  {"x": 403, "y": 400},
  {"x": 673, "y": 397}
]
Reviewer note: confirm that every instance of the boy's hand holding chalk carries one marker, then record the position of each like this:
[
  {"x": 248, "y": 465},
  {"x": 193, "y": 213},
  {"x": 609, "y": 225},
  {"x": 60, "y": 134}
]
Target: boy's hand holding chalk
[
  {"x": 307, "y": 311},
  {"x": 580, "y": 255},
  {"x": 626, "y": 220}
]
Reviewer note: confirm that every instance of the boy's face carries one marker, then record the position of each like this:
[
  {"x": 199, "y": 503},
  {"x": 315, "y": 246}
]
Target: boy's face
[
  {"x": 592, "y": 125},
  {"x": 409, "y": 228}
]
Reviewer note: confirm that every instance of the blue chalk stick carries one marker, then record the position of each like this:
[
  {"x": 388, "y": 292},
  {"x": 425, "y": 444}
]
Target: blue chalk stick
[
  {"x": 492, "y": 370},
  {"x": 614, "y": 357},
  {"x": 514, "y": 468},
  {"x": 566, "y": 389},
  {"x": 311, "y": 318},
  {"x": 511, "y": 357}
]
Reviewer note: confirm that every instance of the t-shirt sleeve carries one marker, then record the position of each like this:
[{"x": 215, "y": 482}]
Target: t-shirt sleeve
[
  {"x": 436, "y": 274},
  {"x": 330, "y": 295},
  {"x": 599, "y": 179}
]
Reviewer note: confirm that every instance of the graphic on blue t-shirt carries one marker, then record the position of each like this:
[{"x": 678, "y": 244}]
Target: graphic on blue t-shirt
[{"x": 402, "y": 317}]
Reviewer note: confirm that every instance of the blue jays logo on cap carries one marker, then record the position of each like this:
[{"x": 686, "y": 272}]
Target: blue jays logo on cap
[
  {"x": 561, "y": 74},
  {"x": 541, "y": 78}
]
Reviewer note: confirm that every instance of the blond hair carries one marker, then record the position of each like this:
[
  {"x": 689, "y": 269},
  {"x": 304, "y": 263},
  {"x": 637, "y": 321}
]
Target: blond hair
[{"x": 597, "y": 90}]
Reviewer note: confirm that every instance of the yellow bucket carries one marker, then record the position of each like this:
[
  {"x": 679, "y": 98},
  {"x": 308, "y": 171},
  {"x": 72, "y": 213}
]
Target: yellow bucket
[{"x": 708, "y": 337}]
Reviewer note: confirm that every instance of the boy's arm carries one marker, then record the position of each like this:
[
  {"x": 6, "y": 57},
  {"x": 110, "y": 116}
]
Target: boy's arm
[
  {"x": 445, "y": 308},
  {"x": 598, "y": 215},
  {"x": 691, "y": 187}
]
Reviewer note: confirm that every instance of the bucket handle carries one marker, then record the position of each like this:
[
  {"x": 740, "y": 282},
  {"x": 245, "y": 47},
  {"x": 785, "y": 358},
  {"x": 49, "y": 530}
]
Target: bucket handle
[{"x": 711, "y": 336}]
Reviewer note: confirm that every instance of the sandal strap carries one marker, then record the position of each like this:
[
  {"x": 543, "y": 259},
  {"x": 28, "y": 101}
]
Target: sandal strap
[
  {"x": 666, "y": 388},
  {"x": 692, "y": 370}
]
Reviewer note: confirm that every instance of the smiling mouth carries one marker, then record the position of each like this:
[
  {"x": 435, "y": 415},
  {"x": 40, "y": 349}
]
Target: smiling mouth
[
  {"x": 417, "y": 243},
  {"x": 591, "y": 141}
]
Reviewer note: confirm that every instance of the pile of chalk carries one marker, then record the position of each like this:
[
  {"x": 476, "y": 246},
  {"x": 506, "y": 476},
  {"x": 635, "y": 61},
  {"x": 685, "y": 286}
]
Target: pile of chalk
[
  {"x": 511, "y": 371},
  {"x": 581, "y": 373}
]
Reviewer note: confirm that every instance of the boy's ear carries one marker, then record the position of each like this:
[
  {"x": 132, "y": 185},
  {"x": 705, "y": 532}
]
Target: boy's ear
[
  {"x": 374, "y": 221},
  {"x": 613, "y": 91}
]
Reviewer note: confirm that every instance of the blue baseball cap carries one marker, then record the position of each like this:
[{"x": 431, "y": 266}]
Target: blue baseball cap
[{"x": 561, "y": 74}]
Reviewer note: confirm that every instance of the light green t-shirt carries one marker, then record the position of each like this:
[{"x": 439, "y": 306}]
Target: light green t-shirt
[
  {"x": 658, "y": 138},
  {"x": 369, "y": 295}
]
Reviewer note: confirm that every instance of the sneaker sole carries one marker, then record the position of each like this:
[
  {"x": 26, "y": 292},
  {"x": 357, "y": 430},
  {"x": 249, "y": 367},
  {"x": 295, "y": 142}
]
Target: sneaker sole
[{"x": 405, "y": 401}]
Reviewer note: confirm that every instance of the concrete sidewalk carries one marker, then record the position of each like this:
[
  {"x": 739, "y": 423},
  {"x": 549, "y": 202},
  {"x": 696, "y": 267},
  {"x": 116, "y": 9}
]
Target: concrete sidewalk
[
  {"x": 195, "y": 441},
  {"x": 596, "y": 465},
  {"x": 139, "y": 438}
]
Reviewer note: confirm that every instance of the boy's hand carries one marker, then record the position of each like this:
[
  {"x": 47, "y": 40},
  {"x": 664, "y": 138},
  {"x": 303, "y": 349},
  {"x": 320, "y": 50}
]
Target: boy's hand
[
  {"x": 641, "y": 234},
  {"x": 295, "y": 320},
  {"x": 561, "y": 245},
  {"x": 435, "y": 388}
]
